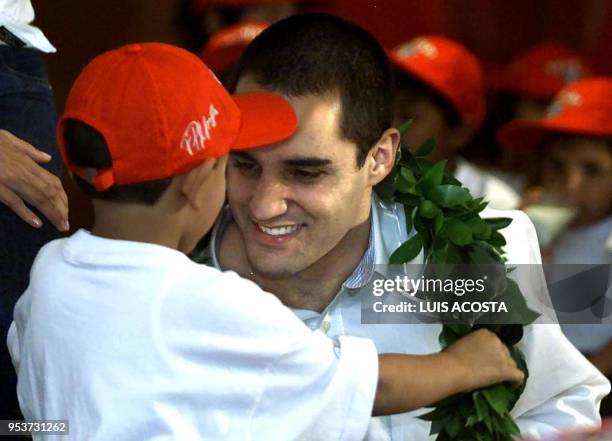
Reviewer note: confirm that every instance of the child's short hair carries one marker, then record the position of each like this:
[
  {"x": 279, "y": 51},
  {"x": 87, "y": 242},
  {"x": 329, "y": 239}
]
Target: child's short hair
[{"x": 86, "y": 147}]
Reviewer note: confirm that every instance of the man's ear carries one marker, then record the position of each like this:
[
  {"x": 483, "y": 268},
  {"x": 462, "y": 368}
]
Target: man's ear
[
  {"x": 381, "y": 158},
  {"x": 459, "y": 136},
  {"x": 194, "y": 182}
]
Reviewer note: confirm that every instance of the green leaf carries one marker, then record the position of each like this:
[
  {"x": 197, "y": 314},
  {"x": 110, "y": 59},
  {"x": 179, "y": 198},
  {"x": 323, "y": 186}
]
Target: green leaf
[
  {"x": 511, "y": 334},
  {"x": 433, "y": 177},
  {"x": 426, "y": 148},
  {"x": 438, "y": 222},
  {"x": 436, "y": 414},
  {"x": 471, "y": 421},
  {"x": 498, "y": 223},
  {"x": 497, "y": 240},
  {"x": 428, "y": 209},
  {"x": 403, "y": 186},
  {"x": 404, "y": 127},
  {"x": 410, "y": 200},
  {"x": 449, "y": 195},
  {"x": 450, "y": 180},
  {"x": 482, "y": 409},
  {"x": 499, "y": 398},
  {"x": 483, "y": 253},
  {"x": 459, "y": 233},
  {"x": 407, "y": 251},
  {"x": 454, "y": 425},
  {"x": 480, "y": 229},
  {"x": 408, "y": 217},
  {"x": 408, "y": 175}
]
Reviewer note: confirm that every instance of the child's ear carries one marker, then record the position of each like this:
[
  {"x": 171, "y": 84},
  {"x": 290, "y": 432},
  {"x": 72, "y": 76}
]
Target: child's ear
[
  {"x": 195, "y": 180},
  {"x": 381, "y": 157}
]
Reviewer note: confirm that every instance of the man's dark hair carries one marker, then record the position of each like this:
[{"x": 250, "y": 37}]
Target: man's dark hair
[
  {"x": 86, "y": 147},
  {"x": 418, "y": 88},
  {"x": 322, "y": 54}
]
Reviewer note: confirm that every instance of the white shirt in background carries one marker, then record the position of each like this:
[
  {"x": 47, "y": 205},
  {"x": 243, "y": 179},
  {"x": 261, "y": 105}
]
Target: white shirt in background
[
  {"x": 17, "y": 16},
  {"x": 586, "y": 245},
  {"x": 133, "y": 341},
  {"x": 483, "y": 184}
]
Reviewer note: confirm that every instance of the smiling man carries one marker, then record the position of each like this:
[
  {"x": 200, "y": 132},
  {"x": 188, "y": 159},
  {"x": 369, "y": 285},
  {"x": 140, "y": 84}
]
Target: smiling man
[{"x": 303, "y": 221}]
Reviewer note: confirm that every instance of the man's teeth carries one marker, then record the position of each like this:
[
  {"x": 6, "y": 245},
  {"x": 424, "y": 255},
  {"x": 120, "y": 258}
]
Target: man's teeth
[{"x": 279, "y": 231}]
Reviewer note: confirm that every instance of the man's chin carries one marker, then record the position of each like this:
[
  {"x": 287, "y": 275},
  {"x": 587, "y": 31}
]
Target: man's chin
[{"x": 273, "y": 268}]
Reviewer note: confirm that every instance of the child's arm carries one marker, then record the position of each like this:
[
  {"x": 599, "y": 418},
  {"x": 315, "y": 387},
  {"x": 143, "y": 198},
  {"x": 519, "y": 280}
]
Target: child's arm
[{"x": 408, "y": 382}]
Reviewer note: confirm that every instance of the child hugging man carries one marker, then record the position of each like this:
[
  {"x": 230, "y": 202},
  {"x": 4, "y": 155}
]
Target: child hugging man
[{"x": 126, "y": 338}]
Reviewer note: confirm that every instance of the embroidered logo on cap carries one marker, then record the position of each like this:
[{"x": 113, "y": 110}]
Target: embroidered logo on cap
[
  {"x": 564, "y": 98},
  {"x": 197, "y": 133},
  {"x": 418, "y": 46},
  {"x": 568, "y": 70}
]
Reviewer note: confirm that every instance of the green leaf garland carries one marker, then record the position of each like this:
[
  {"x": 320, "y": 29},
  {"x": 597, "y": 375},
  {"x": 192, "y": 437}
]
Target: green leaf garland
[{"x": 449, "y": 230}]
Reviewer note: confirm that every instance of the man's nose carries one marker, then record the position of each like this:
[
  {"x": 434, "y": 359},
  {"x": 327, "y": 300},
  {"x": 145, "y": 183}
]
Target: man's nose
[{"x": 269, "y": 199}]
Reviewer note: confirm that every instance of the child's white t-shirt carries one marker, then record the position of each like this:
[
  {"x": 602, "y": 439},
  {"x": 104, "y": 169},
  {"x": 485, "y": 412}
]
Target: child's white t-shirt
[{"x": 133, "y": 341}]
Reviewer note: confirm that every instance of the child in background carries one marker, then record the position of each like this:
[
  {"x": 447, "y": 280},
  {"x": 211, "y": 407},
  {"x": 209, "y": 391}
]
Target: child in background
[
  {"x": 575, "y": 141},
  {"x": 126, "y": 338},
  {"x": 523, "y": 90},
  {"x": 441, "y": 89},
  {"x": 223, "y": 49}
]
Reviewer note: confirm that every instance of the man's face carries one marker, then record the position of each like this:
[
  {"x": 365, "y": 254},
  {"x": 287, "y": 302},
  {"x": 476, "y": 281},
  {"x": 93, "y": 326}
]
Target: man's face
[
  {"x": 428, "y": 121},
  {"x": 295, "y": 201},
  {"x": 579, "y": 171}
]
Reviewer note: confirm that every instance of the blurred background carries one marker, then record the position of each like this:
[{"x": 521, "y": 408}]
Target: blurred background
[{"x": 496, "y": 31}]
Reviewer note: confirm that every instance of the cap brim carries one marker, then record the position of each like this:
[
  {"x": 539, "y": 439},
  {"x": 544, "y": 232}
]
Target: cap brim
[
  {"x": 524, "y": 135},
  {"x": 266, "y": 119}
]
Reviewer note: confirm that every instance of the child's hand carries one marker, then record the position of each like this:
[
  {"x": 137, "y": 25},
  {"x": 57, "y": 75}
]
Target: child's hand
[{"x": 485, "y": 359}]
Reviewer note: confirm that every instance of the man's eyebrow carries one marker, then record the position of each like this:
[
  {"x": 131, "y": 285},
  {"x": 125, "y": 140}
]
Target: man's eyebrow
[{"x": 307, "y": 162}]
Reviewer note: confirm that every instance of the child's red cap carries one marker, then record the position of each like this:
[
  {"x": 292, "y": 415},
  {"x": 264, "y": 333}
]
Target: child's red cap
[
  {"x": 543, "y": 71},
  {"x": 447, "y": 67},
  {"x": 582, "y": 108},
  {"x": 162, "y": 112},
  {"x": 222, "y": 51}
]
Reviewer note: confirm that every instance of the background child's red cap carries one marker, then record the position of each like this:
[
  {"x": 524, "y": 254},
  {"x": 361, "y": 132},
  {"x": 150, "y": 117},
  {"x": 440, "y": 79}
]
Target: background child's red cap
[
  {"x": 582, "y": 108},
  {"x": 222, "y": 50},
  {"x": 542, "y": 71},
  {"x": 447, "y": 67},
  {"x": 162, "y": 112}
]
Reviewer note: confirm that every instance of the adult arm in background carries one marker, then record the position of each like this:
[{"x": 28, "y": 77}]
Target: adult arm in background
[
  {"x": 564, "y": 389},
  {"x": 22, "y": 179}
]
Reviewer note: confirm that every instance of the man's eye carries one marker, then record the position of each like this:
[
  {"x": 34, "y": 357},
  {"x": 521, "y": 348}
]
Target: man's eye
[{"x": 307, "y": 174}]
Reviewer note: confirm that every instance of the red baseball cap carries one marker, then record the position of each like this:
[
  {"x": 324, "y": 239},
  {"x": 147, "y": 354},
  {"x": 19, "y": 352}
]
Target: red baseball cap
[
  {"x": 225, "y": 47},
  {"x": 162, "y": 112},
  {"x": 542, "y": 71},
  {"x": 447, "y": 67},
  {"x": 582, "y": 108}
]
